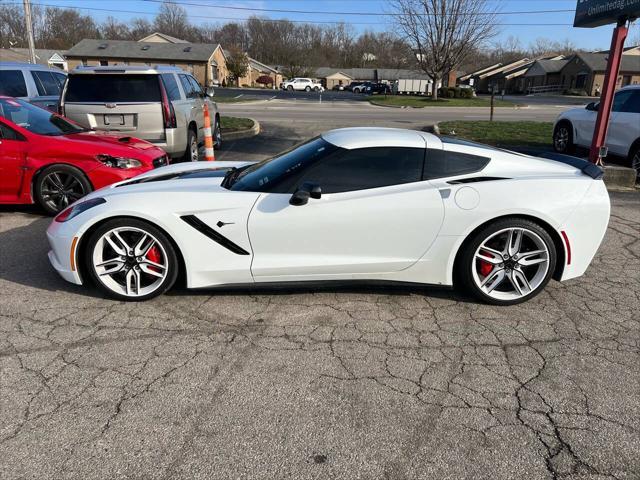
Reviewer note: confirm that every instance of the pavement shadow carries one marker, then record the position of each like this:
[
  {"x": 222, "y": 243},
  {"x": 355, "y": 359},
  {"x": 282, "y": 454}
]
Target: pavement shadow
[
  {"x": 272, "y": 140},
  {"x": 23, "y": 254}
]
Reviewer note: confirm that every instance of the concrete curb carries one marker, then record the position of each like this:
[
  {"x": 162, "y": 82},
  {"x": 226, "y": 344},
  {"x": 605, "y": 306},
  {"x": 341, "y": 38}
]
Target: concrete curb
[
  {"x": 616, "y": 178},
  {"x": 240, "y": 134}
]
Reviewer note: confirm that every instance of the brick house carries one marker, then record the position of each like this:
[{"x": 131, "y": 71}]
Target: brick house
[
  {"x": 585, "y": 71},
  {"x": 207, "y": 62}
]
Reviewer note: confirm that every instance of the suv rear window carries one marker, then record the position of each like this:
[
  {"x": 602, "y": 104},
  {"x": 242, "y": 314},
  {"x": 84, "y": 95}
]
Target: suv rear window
[
  {"x": 113, "y": 88},
  {"x": 12, "y": 83}
]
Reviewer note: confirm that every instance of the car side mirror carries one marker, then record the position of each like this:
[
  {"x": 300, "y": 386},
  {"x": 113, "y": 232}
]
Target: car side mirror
[
  {"x": 593, "y": 106},
  {"x": 210, "y": 92},
  {"x": 302, "y": 195}
]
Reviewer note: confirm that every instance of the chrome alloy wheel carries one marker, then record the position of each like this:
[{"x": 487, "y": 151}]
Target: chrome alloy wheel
[
  {"x": 510, "y": 264},
  {"x": 561, "y": 138},
  {"x": 60, "y": 189},
  {"x": 130, "y": 261}
]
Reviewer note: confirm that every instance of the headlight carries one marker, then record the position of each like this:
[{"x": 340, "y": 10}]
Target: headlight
[
  {"x": 118, "y": 162},
  {"x": 77, "y": 208}
]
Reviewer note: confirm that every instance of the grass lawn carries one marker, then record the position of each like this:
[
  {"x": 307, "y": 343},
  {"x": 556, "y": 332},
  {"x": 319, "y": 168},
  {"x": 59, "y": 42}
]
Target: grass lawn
[
  {"x": 231, "y": 124},
  {"x": 418, "y": 101},
  {"x": 502, "y": 134}
]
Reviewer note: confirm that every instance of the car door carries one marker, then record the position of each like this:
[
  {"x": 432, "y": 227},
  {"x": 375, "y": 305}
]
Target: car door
[
  {"x": 13, "y": 150},
  {"x": 375, "y": 215},
  {"x": 48, "y": 87},
  {"x": 624, "y": 128},
  {"x": 196, "y": 98}
]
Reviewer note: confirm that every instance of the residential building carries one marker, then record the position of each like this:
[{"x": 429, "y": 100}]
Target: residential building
[
  {"x": 47, "y": 57},
  {"x": 544, "y": 75},
  {"x": 586, "y": 71},
  {"x": 207, "y": 62}
]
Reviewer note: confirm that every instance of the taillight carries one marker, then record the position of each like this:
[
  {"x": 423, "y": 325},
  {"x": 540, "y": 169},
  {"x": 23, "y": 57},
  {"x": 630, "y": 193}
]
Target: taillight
[{"x": 168, "y": 113}]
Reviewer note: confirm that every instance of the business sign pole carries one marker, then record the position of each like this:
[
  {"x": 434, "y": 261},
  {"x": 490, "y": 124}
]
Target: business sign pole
[{"x": 595, "y": 13}]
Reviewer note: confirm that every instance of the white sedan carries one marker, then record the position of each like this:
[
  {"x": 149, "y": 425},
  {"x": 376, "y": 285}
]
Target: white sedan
[
  {"x": 575, "y": 127},
  {"x": 355, "y": 204}
]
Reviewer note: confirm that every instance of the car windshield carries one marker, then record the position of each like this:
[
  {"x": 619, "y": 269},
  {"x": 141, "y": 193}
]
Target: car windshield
[
  {"x": 277, "y": 173},
  {"x": 35, "y": 119}
]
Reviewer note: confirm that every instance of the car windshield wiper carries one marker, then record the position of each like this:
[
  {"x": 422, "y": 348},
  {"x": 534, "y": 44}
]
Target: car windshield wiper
[{"x": 231, "y": 176}]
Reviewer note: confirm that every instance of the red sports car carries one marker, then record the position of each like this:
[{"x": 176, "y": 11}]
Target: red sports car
[{"x": 49, "y": 160}]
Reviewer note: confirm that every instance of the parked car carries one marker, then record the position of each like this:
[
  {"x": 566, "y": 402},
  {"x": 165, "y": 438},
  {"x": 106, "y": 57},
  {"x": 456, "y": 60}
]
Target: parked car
[
  {"x": 575, "y": 127},
  {"x": 338, "y": 87},
  {"x": 49, "y": 160},
  {"x": 352, "y": 85},
  {"x": 354, "y": 204},
  {"x": 36, "y": 84},
  {"x": 302, "y": 84},
  {"x": 163, "y": 105},
  {"x": 363, "y": 87}
]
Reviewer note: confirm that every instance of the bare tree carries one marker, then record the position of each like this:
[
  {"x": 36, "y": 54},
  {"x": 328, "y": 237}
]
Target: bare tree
[
  {"x": 172, "y": 19},
  {"x": 112, "y": 29},
  {"x": 442, "y": 32}
]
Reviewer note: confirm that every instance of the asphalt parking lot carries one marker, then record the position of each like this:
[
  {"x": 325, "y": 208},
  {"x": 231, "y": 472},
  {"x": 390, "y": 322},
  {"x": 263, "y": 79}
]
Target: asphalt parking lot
[{"x": 348, "y": 383}]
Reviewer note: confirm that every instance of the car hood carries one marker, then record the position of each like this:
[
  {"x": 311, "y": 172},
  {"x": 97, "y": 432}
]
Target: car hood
[
  {"x": 190, "y": 176},
  {"x": 116, "y": 145}
]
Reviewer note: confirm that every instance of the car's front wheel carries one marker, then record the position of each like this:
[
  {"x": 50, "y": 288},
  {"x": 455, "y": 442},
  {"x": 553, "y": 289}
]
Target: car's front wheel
[
  {"x": 58, "y": 186},
  {"x": 290, "y": 88},
  {"x": 563, "y": 138},
  {"x": 635, "y": 161},
  {"x": 507, "y": 262},
  {"x": 130, "y": 259},
  {"x": 307, "y": 88}
]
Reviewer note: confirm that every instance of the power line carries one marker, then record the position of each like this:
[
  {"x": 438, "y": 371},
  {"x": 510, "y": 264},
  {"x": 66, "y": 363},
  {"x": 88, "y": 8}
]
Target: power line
[
  {"x": 236, "y": 19},
  {"x": 377, "y": 14}
]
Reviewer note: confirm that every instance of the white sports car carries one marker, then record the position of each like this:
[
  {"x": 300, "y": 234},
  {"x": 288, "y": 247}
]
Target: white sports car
[{"x": 356, "y": 204}]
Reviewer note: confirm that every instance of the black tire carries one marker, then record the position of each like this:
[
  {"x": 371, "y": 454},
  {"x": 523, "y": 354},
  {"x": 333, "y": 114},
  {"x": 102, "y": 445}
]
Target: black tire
[
  {"x": 466, "y": 262},
  {"x": 58, "y": 186},
  {"x": 188, "y": 154},
  {"x": 316, "y": 89},
  {"x": 290, "y": 88},
  {"x": 563, "y": 138},
  {"x": 634, "y": 160},
  {"x": 217, "y": 134},
  {"x": 307, "y": 88},
  {"x": 172, "y": 259}
]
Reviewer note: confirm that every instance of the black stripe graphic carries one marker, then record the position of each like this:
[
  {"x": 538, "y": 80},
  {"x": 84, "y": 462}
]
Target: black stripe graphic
[{"x": 205, "y": 229}]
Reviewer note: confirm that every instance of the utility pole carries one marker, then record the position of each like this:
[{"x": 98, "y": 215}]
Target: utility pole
[{"x": 29, "y": 22}]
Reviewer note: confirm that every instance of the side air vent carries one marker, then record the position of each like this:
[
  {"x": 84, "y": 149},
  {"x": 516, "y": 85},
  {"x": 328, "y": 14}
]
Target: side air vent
[
  {"x": 186, "y": 49},
  {"x": 146, "y": 47},
  {"x": 205, "y": 229},
  {"x": 476, "y": 180},
  {"x": 103, "y": 46}
]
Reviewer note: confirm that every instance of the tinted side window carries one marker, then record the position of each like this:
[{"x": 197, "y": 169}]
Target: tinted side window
[
  {"x": 60, "y": 78},
  {"x": 632, "y": 105},
  {"x": 7, "y": 133},
  {"x": 443, "y": 163},
  {"x": 170, "y": 84},
  {"x": 12, "y": 83},
  {"x": 196, "y": 86},
  {"x": 45, "y": 83},
  {"x": 364, "y": 168},
  {"x": 620, "y": 99},
  {"x": 186, "y": 86}
]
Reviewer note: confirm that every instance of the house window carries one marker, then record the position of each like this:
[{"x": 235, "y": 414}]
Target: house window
[
  {"x": 104, "y": 63},
  {"x": 581, "y": 80},
  {"x": 626, "y": 80}
]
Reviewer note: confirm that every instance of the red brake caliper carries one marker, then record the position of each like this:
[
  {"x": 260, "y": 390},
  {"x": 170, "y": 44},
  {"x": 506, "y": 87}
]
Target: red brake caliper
[
  {"x": 155, "y": 256},
  {"x": 485, "y": 267}
]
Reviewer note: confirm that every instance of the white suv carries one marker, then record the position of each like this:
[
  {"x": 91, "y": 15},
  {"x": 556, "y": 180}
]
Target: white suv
[
  {"x": 575, "y": 127},
  {"x": 300, "y": 84}
]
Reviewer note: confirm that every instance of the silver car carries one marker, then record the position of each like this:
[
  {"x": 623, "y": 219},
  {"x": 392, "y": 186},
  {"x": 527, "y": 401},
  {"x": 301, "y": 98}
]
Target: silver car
[
  {"x": 163, "y": 105},
  {"x": 33, "y": 83}
]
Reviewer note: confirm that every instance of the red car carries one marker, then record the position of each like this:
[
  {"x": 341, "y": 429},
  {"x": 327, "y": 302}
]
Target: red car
[{"x": 49, "y": 160}]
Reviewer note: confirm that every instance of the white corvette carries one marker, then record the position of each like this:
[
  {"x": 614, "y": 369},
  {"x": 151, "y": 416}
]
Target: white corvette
[{"x": 353, "y": 204}]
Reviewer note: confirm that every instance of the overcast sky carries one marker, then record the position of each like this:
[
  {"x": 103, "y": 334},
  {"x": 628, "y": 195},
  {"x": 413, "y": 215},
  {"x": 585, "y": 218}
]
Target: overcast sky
[{"x": 535, "y": 25}]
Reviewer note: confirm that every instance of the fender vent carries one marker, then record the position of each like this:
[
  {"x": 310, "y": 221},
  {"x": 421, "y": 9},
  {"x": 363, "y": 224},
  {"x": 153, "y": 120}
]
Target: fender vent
[
  {"x": 476, "y": 180},
  {"x": 205, "y": 229}
]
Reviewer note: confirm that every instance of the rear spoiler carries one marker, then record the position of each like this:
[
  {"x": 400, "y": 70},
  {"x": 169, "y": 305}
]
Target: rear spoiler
[{"x": 581, "y": 164}]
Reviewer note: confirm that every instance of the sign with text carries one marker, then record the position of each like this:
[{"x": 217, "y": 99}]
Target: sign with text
[{"x": 594, "y": 13}]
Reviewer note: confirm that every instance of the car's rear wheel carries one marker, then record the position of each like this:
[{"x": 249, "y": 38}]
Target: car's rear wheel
[
  {"x": 563, "y": 138},
  {"x": 58, "y": 186},
  {"x": 131, "y": 259},
  {"x": 316, "y": 89},
  {"x": 507, "y": 262},
  {"x": 307, "y": 88}
]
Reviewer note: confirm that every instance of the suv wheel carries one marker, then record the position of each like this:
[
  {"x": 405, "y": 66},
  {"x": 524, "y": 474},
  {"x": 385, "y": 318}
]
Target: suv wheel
[
  {"x": 58, "y": 186},
  {"x": 217, "y": 134},
  {"x": 634, "y": 156},
  {"x": 290, "y": 88},
  {"x": 307, "y": 88},
  {"x": 563, "y": 138},
  {"x": 191, "y": 154}
]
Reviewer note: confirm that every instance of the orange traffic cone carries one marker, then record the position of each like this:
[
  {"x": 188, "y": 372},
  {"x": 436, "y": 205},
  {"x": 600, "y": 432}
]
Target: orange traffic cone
[{"x": 209, "y": 155}]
